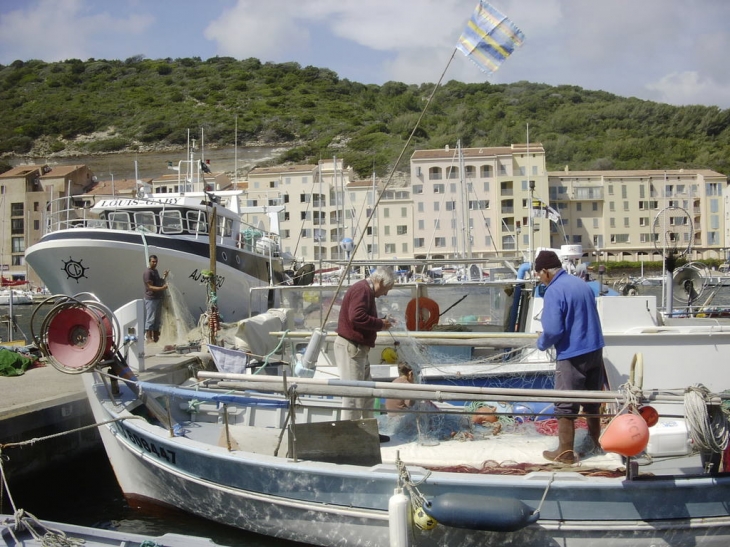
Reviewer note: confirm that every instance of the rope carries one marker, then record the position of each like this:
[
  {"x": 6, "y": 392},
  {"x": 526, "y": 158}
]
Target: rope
[
  {"x": 62, "y": 433},
  {"x": 50, "y": 536},
  {"x": 709, "y": 431},
  {"x": 405, "y": 482}
]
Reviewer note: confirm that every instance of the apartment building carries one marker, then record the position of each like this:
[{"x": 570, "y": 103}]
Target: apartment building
[
  {"x": 25, "y": 192},
  {"x": 479, "y": 202},
  {"x": 325, "y": 207},
  {"x": 638, "y": 215}
]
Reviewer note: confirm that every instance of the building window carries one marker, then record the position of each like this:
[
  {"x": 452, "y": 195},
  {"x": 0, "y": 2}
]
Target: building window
[
  {"x": 440, "y": 242},
  {"x": 419, "y": 242},
  {"x": 18, "y": 244},
  {"x": 16, "y": 226},
  {"x": 486, "y": 172},
  {"x": 402, "y": 230},
  {"x": 434, "y": 173},
  {"x": 390, "y": 248},
  {"x": 439, "y": 188},
  {"x": 16, "y": 209}
]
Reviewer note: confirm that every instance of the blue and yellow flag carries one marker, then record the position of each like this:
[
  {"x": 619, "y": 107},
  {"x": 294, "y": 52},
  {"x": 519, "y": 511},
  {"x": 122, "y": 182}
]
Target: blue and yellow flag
[{"x": 489, "y": 37}]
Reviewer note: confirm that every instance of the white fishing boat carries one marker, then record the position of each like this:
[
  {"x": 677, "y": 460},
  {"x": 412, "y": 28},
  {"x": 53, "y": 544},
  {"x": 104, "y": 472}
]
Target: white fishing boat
[
  {"x": 268, "y": 453},
  {"x": 103, "y": 247},
  {"x": 25, "y": 530}
]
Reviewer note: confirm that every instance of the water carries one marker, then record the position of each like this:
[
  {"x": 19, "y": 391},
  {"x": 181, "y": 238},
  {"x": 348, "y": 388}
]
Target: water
[
  {"x": 85, "y": 492},
  {"x": 154, "y": 164}
]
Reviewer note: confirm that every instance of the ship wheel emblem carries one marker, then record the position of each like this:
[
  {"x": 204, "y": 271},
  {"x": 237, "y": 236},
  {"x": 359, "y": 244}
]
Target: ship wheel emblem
[{"x": 74, "y": 269}]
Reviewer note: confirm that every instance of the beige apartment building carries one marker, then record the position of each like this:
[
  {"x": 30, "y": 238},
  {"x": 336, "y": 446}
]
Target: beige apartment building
[
  {"x": 25, "y": 192},
  {"x": 638, "y": 215},
  {"x": 325, "y": 208},
  {"x": 479, "y": 202}
]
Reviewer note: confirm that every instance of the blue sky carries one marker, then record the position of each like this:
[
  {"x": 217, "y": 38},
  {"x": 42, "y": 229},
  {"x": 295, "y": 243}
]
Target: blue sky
[{"x": 672, "y": 51}]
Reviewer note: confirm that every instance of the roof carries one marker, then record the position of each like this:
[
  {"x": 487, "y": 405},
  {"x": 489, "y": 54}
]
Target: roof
[
  {"x": 61, "y": 171},
  {"x": 104, "y": 187},
  {"x": 654, "y": 173},
  {"x": 21, "y": 171},
  {"x": 281, "y": 169},
  {"x": 476, "y": 153}
]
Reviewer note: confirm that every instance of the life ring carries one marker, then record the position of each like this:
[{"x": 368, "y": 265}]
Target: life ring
[{"x": 424, "y": 305}]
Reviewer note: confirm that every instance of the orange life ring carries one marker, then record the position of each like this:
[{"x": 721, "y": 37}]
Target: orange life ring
[{"x": 428, "y": 313}]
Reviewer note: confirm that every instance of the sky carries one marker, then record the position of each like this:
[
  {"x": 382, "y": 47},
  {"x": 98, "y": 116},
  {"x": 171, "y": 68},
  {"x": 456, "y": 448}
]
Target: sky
[{"x": 669, "y": 51}]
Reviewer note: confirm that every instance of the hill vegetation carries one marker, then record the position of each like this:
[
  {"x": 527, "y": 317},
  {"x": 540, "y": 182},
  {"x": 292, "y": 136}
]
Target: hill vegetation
[{"x": 126, "y": 105}]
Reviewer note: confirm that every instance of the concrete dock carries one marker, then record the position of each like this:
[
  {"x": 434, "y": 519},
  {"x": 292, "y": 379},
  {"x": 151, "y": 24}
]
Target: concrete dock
[{"x": 45, "y": 401}]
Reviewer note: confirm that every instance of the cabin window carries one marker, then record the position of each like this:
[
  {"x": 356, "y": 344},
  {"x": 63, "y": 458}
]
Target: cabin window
[
  {"x": 171, "y": 222},
  {"x": 145, "y": 221},
  {"x": 225, "y": 226},
  {"x": 119, "y": 221},
  {"x": 197, "y": 222}
]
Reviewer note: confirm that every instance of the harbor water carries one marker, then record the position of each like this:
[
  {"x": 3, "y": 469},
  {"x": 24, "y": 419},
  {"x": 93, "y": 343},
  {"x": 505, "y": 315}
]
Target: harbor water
[{"x": 84, "y": 491}]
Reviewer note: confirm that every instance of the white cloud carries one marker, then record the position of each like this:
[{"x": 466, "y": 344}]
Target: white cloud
[
  {"x": 685, "y": 88},
  {"x": 666, "y": 50},
  {"x": 62, "y": 29}
]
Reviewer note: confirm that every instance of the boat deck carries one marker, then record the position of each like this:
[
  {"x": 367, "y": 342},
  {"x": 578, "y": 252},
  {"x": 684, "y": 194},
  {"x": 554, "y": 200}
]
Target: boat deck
[{"x": 513, "y": 449}]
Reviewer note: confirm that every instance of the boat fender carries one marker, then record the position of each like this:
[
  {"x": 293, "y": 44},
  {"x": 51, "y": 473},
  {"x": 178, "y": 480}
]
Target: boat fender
[
  {"x": 398, "y": 506},
  {"x": 424, "y": 305},
  {"x": 488, "y": 513}
]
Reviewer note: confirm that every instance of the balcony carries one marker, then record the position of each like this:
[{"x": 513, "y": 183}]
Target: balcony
[{"x": 587, "y": 193}]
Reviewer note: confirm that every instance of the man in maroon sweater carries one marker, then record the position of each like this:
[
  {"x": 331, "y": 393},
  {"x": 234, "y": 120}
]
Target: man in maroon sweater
[{"x": 357, "y": 329}]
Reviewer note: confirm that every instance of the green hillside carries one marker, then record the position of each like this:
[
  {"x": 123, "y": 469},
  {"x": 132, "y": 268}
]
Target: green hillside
[{"x": 138, "y": 102}]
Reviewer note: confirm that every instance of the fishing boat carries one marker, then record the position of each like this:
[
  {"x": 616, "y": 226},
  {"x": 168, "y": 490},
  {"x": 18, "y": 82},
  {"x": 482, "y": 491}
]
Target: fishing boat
[
  {"x": 269, "y": 453},
  {"x": 25, "y": 530},
  {"x": 102, "y": 246}
]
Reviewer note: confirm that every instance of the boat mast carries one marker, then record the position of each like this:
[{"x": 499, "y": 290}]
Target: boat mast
[
  {"x": 530, "y": 219},
  {"x": 235, "y": 155}
]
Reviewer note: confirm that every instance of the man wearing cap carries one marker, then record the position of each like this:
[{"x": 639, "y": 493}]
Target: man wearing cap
[{"x": 571, "y": 324}]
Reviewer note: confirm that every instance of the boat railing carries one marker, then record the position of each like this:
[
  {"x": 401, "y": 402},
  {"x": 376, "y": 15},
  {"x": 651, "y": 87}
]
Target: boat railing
[{"x": 65, "y": 213}]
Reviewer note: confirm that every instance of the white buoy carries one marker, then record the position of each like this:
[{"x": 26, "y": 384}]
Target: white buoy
[{"x": 398, "y": 518}]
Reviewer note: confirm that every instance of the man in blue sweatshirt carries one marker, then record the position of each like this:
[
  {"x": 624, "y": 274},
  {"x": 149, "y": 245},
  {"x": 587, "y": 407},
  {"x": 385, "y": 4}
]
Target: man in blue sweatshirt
[{"x": 571, "y": 324}]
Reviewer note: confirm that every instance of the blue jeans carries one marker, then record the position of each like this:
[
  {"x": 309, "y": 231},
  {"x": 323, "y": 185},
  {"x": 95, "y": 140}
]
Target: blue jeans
[{"x": 153, "y": 314}]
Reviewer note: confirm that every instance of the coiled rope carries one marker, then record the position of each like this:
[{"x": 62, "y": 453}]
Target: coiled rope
[{"x": 708, "y": 429}]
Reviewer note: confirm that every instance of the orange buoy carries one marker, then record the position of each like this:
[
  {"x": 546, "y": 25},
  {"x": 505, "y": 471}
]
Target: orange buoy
[
  {"x": 650, "y": 415},
  {"x": 627, "y": 435},
  {"x": 428, "y": 311}
]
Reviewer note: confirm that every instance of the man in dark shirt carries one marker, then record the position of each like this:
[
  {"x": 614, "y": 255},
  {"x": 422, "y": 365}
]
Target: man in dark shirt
[
  {"x": 155, "y": 288},
  {"x": 357, "y": 330}
]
